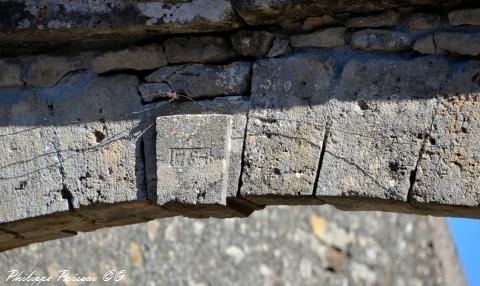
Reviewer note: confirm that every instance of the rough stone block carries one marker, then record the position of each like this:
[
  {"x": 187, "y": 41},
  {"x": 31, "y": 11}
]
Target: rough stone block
[
  {"x": 153, "y": 91},
  {"x": 420, "y": 22},
  {"x": 62, "y": 156},
  {"x": 458, "y": 43},
  {"x": 464, "y": 17},
  {"x": 385, "y": 19},
  {"x": 198, "y": 50},
  {"x": 327, "y": 38},
  {"x": 425, "y": 45},
  {"x": 311, "y": 23},
  {"x": 30, "y": 177},
  {"x": 280, "y": 46},
  {"x": 286, "y": 127},
  {"x": 252, "y": 43},
  {"x": 381, "y": 111},
  {"x": 198, "y": 80},
  {"x": 193, "y": 157},
  {"x": 137, "y": 58},
  {"x": 236, "y": 108},
  {"x": 449, "y": 170},
  {"x": 381, "y": 40},
  {"x": 46, "y": 71},
  {"x": 11, "y": 74}
]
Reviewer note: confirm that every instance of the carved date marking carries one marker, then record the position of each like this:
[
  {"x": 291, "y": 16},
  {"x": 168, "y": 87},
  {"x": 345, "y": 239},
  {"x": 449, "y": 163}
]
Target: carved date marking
[{"x": 181, "y": 157}]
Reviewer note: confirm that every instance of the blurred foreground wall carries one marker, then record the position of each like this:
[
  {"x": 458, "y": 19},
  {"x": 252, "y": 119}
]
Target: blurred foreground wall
[{"x": 278, "y": 246}]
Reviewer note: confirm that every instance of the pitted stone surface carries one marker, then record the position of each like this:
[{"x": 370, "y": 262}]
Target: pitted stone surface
[
  {"x": 61, "y": 155},
  {"x": 193, "y": 158},
  {"x": 286, "y": 126},
  {"x": 380, "y": 114},
  {"x": 448, "y": 173},
  {"x": 234, "y": 106},
  {"x": 349, "y": 116}
]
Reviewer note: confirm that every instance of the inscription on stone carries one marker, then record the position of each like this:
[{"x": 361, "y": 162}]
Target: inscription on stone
[
  {"x": 180, "y": 157},
  {"x": 193, "y": 157}
]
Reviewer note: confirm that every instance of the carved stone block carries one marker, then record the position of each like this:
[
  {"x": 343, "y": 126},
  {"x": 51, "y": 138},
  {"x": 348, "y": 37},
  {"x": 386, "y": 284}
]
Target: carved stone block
[{"x": 193, "y": 157}]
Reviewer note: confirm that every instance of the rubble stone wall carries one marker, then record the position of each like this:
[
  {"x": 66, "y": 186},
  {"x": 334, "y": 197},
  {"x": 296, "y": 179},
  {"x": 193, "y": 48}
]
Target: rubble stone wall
[{"x": 117, "y": 113}]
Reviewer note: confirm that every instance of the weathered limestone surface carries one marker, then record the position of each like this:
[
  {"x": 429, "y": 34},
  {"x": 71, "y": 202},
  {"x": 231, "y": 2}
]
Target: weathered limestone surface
[
  {"x": 234, "y": 107},
  {"x": 362, "y": 104},
  {"x": 380, "y": 113},
  {"x": 187, "y": 144},
  {"x": 286, "y": 127},
  {"x": 66, "y": 156},
  {"x": 448, "y": 173}
]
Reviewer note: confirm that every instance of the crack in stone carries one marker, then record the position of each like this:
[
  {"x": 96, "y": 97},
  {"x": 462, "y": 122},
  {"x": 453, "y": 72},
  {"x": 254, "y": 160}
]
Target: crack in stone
[
  {"x": 413, "y": 173},
  {"x": 320, "y": 160},
  {"x": 242, "y": 159},
  {"x": 434, "y": 43}
]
